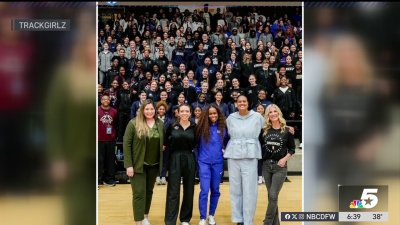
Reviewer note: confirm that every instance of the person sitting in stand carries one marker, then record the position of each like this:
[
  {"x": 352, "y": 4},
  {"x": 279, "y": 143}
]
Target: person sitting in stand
[{"x": 200, "y": 101}]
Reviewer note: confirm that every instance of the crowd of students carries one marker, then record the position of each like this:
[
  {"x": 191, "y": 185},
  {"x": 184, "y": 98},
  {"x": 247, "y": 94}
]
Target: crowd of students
[{"x": 168, "y": 81}]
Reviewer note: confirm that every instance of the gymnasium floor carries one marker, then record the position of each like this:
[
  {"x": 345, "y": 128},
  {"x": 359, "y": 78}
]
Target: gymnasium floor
[{"x": 115, "y": 203}]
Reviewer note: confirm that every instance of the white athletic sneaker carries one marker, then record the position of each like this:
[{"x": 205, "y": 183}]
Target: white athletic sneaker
[
  {"x": 202, "y": 222},
  {"x": 158, "y": 181},
  {"x": 146, "y": 221},
  {"x": 185, "y": 223},
  {"x": 163, "y": 181},
  {"x": 211, "y": 220},
  {"x": 301, "y": 145},
  {"x": 260, "y": 179}
]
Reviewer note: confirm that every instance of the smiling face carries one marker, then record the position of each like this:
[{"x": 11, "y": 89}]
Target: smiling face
[
  {"x": 235, "y": 95},
  {"x": 260, "y": 109},
  {"x": 205, "y": 73},
  {"x": 168, "y": 86},
  {"x": 272, "y": 59},
  {"x": 153, "y": 86},
  {"x": 182, "y": 68},
  {"x": 163, "y": 96},
  {"x": 258, "y": 55},
  {"x": 149, "y": 111},
  {"x": 288, "y": 60},
  {"x": 215, "y": 50},
  {"x": 190, "y": 74},
  {"x": 228, "y": 67},
  {"x": 252, "y": 80},
  {"x": 197, "y": 112},
  {"x": 202, "y": 97},
  {"x": 218, "y": 97},
  {"x": 293, "y": 48},
  {"x": 114, "y": 84},
  {"x": 185, "y": 81},
  {"x": 298, "y": 65},
  {"x": 273, "y": 114},
  {"x": 213, "y": 114},
  {"x": 284, "y": 82},
  {"x": 162, "y": 79},
  {"x": 174, "y": 77},
  {"x": 170, "y": 67},
  {"x": 105, "y": 101},
  {"x": 181, "y": 99},
  {"x": 219, "y": 84},
  {"x": 184, "y": 113},
  {"x": 125, "y": 85},
  {"x": 242, "y": 103},
  {"x": 235, "y": 83},
  {"x": 161, "y": 111},
  {"x": 204, "y": 87},
  {"x": 122, "y": 71},
  {"x": 143, "y": 96},
  {"x": 261, "y": 95}
]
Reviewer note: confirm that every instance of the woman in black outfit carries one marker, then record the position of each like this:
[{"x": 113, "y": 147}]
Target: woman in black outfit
[
  {"x": 277, "y": 145},
  {"x": 180, "y": 139}
]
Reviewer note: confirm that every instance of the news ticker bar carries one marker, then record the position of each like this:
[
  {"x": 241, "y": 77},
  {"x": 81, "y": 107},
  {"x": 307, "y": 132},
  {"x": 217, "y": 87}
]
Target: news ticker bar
[
  {"x": 40, "y": 25},
  {"x": 335, "y": 216}
]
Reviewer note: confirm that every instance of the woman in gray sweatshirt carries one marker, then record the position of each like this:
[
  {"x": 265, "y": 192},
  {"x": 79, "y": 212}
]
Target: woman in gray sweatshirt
[{"x": 243, "y": 151}]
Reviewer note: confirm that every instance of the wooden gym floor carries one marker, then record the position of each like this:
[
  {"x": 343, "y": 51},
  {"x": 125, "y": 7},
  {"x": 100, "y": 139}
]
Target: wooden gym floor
[{"x": 115, "y": 203}]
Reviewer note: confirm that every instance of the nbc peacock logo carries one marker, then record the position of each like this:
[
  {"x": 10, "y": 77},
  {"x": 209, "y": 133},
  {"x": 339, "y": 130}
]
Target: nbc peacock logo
[{"x": 356, "y": 204}]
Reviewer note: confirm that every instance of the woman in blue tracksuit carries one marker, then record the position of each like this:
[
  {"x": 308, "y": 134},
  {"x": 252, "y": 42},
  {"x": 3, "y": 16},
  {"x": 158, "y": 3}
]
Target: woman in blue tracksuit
[{"x": 212, "y": 137}]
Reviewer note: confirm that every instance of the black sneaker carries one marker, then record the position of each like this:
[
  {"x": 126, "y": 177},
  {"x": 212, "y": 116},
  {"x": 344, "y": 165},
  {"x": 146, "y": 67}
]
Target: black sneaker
[{"x": 110, "y": 183}]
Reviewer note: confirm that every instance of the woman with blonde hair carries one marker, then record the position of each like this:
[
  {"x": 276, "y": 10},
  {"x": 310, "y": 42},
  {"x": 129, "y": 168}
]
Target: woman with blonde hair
[
  {"x": 277, "y": 145},
  {"x": 143, "y": 146}
]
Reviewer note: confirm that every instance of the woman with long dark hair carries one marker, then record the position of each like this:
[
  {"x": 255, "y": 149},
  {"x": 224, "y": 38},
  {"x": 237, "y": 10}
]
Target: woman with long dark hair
[{"x": 211, "y": 133}]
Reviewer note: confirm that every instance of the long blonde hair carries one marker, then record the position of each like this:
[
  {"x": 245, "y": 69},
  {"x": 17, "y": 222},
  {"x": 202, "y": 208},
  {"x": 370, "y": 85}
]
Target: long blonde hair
[
  {"x": 268, "y": 123},
  {"x": 142, "y": 129}
]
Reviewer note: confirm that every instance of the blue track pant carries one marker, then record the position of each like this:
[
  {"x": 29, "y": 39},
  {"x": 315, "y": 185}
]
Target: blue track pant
[{"x": 210, "y": 178}]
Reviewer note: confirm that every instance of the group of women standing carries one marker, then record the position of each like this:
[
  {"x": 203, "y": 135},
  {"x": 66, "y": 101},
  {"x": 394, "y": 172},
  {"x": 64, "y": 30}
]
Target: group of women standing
[{"x": 243, "y": 138}]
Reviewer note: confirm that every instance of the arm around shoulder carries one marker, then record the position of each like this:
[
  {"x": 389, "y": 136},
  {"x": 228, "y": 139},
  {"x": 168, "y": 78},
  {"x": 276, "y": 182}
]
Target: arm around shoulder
[{"x": 291, "y": 144}]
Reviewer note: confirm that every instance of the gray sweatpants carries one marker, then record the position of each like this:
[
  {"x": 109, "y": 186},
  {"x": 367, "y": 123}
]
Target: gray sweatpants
[{"x": 243, "y": 189}]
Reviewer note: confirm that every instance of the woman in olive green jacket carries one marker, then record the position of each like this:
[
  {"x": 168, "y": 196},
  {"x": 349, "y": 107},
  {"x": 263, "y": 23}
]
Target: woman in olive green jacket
[{"x": 143, "y": 146}]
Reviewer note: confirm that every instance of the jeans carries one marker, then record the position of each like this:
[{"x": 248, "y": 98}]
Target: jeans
[{"x": 274, "y": 176}]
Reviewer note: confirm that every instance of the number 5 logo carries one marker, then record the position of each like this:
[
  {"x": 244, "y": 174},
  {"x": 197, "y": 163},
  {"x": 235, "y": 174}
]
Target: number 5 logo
[{"x": 369, "y": 200}]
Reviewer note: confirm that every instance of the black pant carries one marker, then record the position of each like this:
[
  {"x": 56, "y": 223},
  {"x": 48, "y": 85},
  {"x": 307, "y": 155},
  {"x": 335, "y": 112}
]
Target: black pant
[
  {"x": 182, "y": 164},
  {"x": 259, "y": 167},
  {"x": 106, "y": 161},
  {"x": 165, "y": 163},
  {"x": 123, "y": 120}
]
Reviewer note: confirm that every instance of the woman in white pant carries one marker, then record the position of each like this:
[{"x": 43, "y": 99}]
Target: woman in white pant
[{"x": 243, "y": 151}]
